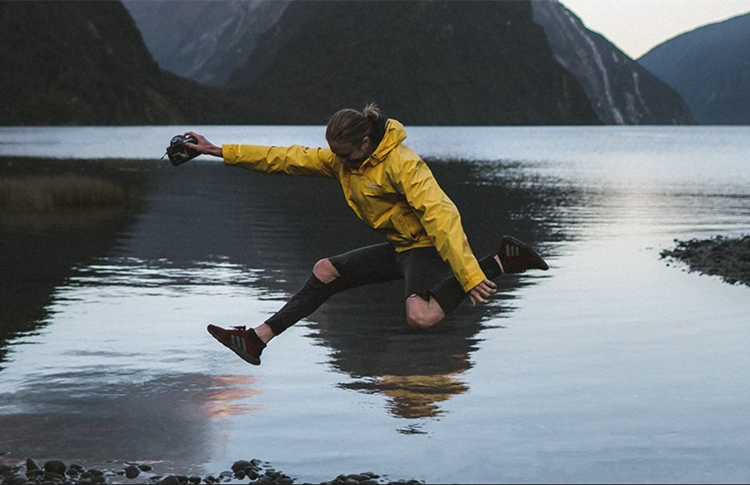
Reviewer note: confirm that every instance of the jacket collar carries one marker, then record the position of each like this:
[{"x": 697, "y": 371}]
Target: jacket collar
[{"x": 395, "y": 134}]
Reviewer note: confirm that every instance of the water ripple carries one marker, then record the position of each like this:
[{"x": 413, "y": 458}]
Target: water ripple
[{"x": 138, "y": 273}]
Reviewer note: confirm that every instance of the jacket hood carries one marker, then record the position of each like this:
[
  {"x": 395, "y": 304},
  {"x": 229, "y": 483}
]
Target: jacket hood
[{"x": 395, "y": 134}]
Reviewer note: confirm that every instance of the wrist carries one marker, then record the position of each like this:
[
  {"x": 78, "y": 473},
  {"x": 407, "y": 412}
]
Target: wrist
[{"x": 216, "y": 151}]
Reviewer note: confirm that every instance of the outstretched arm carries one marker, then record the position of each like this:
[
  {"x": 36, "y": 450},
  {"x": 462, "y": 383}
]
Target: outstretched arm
[{"x": 291, "y": 160}]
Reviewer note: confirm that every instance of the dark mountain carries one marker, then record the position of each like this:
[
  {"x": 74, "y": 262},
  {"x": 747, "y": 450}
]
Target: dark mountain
[
  {"x": 204, "y": 40},
  {"x": 710, "y": 68},
  {"x": 426, "y": 62},
  {"x": 84, "y": 62},
  {"x": 620, "y": 90}
]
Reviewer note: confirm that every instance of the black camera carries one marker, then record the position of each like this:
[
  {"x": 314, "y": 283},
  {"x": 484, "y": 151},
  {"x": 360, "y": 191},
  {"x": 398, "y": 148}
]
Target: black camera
[{"x": 178, "y": 153}]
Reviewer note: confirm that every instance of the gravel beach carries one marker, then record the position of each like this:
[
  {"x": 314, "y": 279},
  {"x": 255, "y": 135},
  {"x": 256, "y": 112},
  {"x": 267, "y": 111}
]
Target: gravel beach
[
  {"x": 728, "y": 258},
  {"x": 242, "y": 471}
]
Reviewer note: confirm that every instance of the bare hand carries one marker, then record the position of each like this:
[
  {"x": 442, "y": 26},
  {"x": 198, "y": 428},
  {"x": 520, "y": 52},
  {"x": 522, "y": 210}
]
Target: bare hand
[
  {"x": 482, "y": 292},
  {"x": 203, "y": 145}
]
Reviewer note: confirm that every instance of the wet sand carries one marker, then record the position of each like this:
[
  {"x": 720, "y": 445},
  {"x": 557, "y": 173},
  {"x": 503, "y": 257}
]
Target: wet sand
[{"x": 728, "y": 258}]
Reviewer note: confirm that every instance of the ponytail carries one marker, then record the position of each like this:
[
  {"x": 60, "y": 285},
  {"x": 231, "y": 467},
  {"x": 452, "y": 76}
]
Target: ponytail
[{"x": 350, "y": 127}]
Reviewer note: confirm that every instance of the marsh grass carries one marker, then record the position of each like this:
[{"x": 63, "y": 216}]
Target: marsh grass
[{"x": 47, "y": 194}]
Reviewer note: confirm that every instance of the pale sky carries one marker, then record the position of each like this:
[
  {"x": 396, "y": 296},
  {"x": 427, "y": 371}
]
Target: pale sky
[{"x": 636, "y": 26}]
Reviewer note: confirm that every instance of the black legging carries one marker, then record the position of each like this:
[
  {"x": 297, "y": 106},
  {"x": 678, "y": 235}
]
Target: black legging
[{"x": 424, "y": 272}]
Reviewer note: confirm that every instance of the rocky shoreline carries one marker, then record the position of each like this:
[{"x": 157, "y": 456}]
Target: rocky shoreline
[
  {"x": 728, "y": 258},
  {"x": 242, "y": 471}
]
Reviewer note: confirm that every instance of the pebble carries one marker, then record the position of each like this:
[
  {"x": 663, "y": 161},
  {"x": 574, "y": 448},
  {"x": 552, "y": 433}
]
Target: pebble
[
  {"x": 241, "y": 465},
  {"x": 358, "y": 478},
  {"x": 132, "y": 471},
  {"x": 55, "y": 477},
  {"x": 19, "y": 478},
  {"x": 55, "y": 466}
]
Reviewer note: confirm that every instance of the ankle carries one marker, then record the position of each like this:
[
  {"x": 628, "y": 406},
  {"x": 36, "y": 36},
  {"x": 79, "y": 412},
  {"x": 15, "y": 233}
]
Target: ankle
[
  {"x": 499, "y": 263},
  {"x": 263, "y": 332},
  {"x": 491, "y": 266}
]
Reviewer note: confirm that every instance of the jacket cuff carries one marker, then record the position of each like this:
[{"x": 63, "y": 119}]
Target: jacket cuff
[
  {"x": 230, "y": 153},
  {"x": 472, "y": 280}
]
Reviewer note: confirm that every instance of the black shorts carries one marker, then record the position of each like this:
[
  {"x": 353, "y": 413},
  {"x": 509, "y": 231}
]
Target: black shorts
[{"x": 420, "y": 268}]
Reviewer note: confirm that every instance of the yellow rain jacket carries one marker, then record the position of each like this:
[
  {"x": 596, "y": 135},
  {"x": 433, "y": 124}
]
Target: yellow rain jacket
[{"x": 393, "y": 192}]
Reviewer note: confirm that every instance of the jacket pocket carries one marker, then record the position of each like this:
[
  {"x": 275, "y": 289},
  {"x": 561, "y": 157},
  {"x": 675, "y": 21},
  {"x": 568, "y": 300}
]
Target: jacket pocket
[
  {"x": 407, "y": 230},
  {"x": 372, "y": 191}
]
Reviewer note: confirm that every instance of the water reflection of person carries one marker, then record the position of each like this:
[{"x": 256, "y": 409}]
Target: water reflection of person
[
  {"x": 393, "y": 191},
  {"x": 415, "y": 372}
]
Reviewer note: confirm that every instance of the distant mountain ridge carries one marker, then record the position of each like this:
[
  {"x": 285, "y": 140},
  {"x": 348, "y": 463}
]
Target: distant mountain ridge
[
  {"x": 84, "y": 62},
  {"x": 621, "y": 91},
  {"x": 710, "y": 68},
  {"x": 204, "y": 40},
  {"x": 425, "y": 62}
]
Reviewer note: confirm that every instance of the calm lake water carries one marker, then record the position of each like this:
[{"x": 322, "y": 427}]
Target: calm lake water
[{"x": 614, "y": 366}]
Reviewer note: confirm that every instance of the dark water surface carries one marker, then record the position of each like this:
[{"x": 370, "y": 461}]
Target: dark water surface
[{"x": 611, "y": 367}]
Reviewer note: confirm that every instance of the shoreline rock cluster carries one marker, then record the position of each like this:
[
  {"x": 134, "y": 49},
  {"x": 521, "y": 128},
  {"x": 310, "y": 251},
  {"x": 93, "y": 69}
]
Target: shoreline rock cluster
[
  {"x": 243, "y": 471},
  {"x": 728, "y": 258}
]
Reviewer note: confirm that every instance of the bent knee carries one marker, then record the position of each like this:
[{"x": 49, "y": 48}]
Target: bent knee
[
  {"x": 420, "y": 319},
  {"x": 325, "y": 271},
  {"x": 422, "y": 314}
]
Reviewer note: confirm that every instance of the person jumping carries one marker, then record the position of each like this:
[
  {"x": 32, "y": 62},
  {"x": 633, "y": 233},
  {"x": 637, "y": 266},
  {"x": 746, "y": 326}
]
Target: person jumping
[{"x": 392, "y": 190}]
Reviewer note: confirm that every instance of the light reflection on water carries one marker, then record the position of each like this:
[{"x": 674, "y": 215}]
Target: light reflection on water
[
  {"x": 611, "y": 367},
  {"x": 133, "y": 272}
]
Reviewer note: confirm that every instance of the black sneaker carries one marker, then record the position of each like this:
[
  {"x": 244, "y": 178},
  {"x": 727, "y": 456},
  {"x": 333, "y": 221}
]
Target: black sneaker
[
  {"x": 516, "y": 257},
  {"x": 238, "y": 342}
]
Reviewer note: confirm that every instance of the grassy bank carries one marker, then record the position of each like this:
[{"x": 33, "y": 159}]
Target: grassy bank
[{"x": 51, "y": 193}]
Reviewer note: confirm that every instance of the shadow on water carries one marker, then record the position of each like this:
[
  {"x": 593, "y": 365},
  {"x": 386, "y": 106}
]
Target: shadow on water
[{"x": 276, "y": 228}]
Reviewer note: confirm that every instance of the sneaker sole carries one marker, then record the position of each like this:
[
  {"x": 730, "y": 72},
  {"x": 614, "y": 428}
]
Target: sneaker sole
[
  {"x": 240, "y": 353},
  {"x": 542, "y": 263}
]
